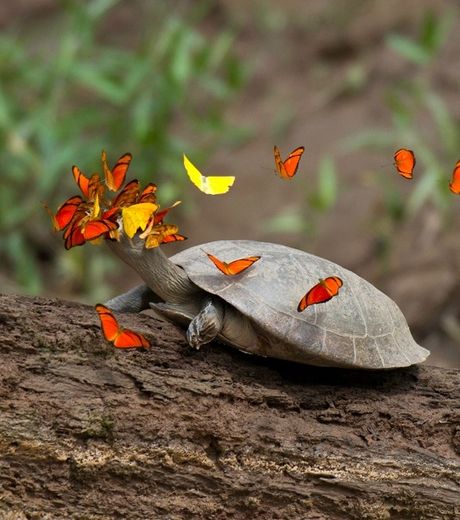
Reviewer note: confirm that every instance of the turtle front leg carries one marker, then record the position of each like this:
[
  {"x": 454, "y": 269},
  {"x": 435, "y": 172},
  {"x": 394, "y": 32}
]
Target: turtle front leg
[
  {"x": 135, "y": 300},
  {"x": 205, "y": 326}
]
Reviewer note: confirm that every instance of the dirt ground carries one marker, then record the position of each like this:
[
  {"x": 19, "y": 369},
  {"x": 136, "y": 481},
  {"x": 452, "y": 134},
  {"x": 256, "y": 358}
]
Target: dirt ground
[{"x": 299, "y": 54}]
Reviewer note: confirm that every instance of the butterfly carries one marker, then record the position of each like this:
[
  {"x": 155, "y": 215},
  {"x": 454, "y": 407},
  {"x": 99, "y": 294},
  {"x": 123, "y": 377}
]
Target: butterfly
[
  {"x": 115, "y": 177},
  {"x": 128, "y": 195},
  {"x": 159, "y": 233},
  {"x": 149, "y": 193},
  {"x": 95, "y": 228},
  {"x": 404, "y": 162},
  {"x": 288, "y": 168},
  {"x": 235, "y": 267},
  {"x": 137, "y": 217},
  {"x": 120, "y": 337},
  {"x": 65, "y": 212},
  {"x": 322, "y": 292},
  {"x": 73, "y": 237},
  {"x": 90, "y": 187},
  {"x": 210, "y": 185},
  {"x": 454, "y": 184}
]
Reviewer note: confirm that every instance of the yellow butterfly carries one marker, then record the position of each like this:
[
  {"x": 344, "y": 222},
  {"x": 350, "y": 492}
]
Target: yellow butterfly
[
  {"x": 210, "y": 185},
  {"x": 137, "y": 216}
]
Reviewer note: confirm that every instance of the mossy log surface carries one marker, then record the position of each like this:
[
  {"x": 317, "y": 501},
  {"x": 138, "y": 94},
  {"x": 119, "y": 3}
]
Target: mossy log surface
[{"x": 91, "y": 432}]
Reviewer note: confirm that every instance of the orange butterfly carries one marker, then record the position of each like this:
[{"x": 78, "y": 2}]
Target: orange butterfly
[
  {"x": 404, "y": 162},
  {"x": 288, "y": 168},
  {"x": 149, "y": 194},
  {"x": 454, "y": 185},
  {"x": 235, "y": 267},
  {"x": 65, "y": 212},
  {"x": 128, "y": 195},
  {"x": 73, "y": 237},
  {"x": 95, "y": 228},
  {"x": 120, "y": 337},
  {"x": 321, "y": 292},
  {"x": 173, "y": 238},
  {"x": 116, "y": 177},
  {"x": 92, "y": 187}
]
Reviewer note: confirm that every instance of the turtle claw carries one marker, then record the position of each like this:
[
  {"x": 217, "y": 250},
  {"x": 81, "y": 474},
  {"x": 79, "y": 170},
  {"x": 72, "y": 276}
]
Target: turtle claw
[{"x": 205, "y": 325}]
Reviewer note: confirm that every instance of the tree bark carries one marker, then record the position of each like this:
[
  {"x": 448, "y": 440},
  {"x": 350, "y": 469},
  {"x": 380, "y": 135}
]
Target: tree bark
[{"x": 91, "y": 432}]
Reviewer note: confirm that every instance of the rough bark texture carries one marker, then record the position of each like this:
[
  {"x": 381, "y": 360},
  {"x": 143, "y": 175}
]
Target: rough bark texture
[{"x": 90, "y": 432}]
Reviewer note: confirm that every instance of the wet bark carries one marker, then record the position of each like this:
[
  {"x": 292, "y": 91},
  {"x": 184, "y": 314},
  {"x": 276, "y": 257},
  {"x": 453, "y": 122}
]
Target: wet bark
[{"x": 87, "y": 431}]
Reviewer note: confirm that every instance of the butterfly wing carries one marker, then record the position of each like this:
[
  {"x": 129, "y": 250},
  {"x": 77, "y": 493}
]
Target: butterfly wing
[
  {"x": 137, "y": 217},
  {"x": 66, "y": 211},
  {"x": 321, "y": 292},
  {"x": 96, "y": 228},
  {"x": 291, "y": 164},
  {"x": 128, "y": 195},
  {"x": 81, "y": 180},
  {"x": 218, "y": 185},
  {"x": 109, "y": 324},
  {"x": 121, "y": 338},
  {"x": 116, "y": 177},
  {"x": 240, "y": 265},
  {"x": 235, "y": 267},
  {"x": 454, "y": 185},
  {"x": 278, "y": 162},
  {"x": 173, "y": 238},
  {"x": 288, "y": 168},
  {"x": 209, "y": 185},
  {"x": 130, "y": 339},
  {"x": 74, "y": 237},
  {"x": 149, "y": 193},
  {"x": 404, "y": 160}
]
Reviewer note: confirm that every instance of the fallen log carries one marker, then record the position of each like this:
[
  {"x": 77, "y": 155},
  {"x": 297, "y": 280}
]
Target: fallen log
[{"x": 88, "y": 431}]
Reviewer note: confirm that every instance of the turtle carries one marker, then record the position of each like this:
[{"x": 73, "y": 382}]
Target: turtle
[{"x": 256, "y": 311}]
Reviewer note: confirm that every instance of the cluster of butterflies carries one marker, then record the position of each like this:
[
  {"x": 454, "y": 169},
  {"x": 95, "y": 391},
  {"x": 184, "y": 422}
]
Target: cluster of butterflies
[
  {"x": 92, "y": 216},
  {"x": 404, "y": 160}
]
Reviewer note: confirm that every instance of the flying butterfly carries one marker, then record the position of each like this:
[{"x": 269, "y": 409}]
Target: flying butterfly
[
  {"x": 115, "y": 177},
  {"x": 288, "y": 168},
  {"x": 212, "y": 185},
  {"x": 235, "y": 267},
  {"x": 120, "y": 337},
  {"x": 322, "y": 292},
  {"x": 454, "y": 184},
  {"x": 404, "y": 160}
]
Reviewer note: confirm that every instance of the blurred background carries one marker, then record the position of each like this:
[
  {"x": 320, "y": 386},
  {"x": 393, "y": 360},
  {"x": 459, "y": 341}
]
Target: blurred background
[{"x": 223, "y": 81}]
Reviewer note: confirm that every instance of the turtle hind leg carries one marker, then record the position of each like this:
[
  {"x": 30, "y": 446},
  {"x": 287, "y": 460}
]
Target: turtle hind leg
[
  {"x": 207, "y": 324},
  {"x": 135, "y": 300}
]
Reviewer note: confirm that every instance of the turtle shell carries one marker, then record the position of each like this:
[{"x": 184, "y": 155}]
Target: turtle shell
[{"x": 361, "y": 327}]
